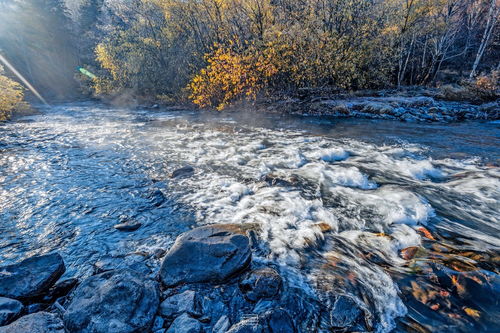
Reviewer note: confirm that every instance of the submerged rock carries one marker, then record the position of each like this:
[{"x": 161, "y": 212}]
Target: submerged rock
[
  {"x": 185, "y": 324},
  {"x": 261, "y": 283},
  {"x": 345, "y": 312},
  {"x": 31, "y": 277},
  {"x": 186, "y": 171},
  {"x": 206, "y": 254},
  {"x": 115, "y": 301},
  {"x": 187, "y": 302},
  {"x": 40, "y": 322},
  {"x": 9, "y": 309},
  {"x": 129, "y": 225}
]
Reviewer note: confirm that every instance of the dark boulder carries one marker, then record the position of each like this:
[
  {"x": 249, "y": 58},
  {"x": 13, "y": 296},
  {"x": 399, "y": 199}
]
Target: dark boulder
[
  {"x": 185, "y": 324},
  {"x": 9, "y": 310},
  {"x": 206, "y": 254},
  {"x": 263, "y": 283},
  {"x": 31, "y": 277},
  {"x": 187, "y": 302},
  {"x": 40, "y": 322},
  {"x": 115, "y": 301}
]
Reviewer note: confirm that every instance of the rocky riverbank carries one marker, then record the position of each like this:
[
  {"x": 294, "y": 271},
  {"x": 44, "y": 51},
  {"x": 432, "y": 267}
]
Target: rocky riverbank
[
  {"x": 207, "y": 282},
  {"x": 403, "y": 108}
]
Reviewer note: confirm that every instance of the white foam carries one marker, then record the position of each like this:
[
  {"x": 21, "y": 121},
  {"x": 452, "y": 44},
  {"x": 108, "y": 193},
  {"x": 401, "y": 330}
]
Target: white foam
[{"x": 330, "y": 155}]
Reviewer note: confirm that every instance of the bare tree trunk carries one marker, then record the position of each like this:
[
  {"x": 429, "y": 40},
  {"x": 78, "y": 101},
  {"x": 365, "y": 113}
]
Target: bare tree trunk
[{"x": 490, "y": 26}]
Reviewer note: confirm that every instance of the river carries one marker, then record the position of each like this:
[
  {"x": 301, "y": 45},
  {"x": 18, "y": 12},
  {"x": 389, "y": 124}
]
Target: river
[{"x": 335, "y": 201}]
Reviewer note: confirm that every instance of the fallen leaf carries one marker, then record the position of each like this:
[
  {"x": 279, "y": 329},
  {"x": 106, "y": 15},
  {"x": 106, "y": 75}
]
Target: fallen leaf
[
  {"x": 409, "y": 252},
  {"x": 472, "y": 312},
  {"x": 444, "y": 293},
  {"x": 435, "y": 307},
  {"x": 426, "y": 233},
  {"x": 419, "y": 293},
  {"x": 457, "y": 284},
  {"x": 323, "y": 226}
]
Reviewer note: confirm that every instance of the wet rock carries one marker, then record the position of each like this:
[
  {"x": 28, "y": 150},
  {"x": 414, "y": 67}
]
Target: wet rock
[
  {"x": 304, "y": 309},
  {"x": 157, "y": 198},
  {"x": 490, "y": 110},
  {"x": 159, "y": 253},
  {"x": 61, "y": 288},
  {"x": 279, "y": 321},
  {"x": 222, "y": 325},
  {"x": 214, "y": 307},
  {"x": 345, "y": 312},
  {"x": 185, "y": 171},
  {"x": 185, "y": 324},
  {"x": 376, "y": 108},
  {"x": 133, "y": 262},
  {"x": 40, "y": 322},
  {"x": 274, "y": 321},
  {"x": 187, "y": 302},
  {"x": 9, "y": 310},
  {"x": 129, "y": 225},
  {"x": 115, "y": 301},
  {"x": 261, "y": 283},
  {"x": 31, "y": 277},
  {"x": 36, "y": 307},
  {"x": 250, "y": 325},
  {"x": 206, "y": 254},
  {"x": 158, "y": 323}
]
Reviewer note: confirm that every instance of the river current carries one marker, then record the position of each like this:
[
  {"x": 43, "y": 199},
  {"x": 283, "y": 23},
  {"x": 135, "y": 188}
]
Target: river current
[{"x": 402, "y": 216}]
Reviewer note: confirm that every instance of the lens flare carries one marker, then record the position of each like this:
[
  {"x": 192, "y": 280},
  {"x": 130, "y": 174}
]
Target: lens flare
[{"x": 23, "y": 80}]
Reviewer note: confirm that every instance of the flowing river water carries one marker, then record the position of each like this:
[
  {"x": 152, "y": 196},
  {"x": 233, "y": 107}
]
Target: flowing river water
[{"x": 402, "y": 216}]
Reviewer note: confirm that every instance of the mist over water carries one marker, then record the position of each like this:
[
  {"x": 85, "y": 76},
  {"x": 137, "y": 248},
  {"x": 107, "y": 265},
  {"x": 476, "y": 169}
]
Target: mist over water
[{"x": 333, "y": 202}]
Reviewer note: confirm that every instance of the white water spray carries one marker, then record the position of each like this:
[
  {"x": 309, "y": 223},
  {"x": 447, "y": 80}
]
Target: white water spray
[{"x": 23, "y": 80}]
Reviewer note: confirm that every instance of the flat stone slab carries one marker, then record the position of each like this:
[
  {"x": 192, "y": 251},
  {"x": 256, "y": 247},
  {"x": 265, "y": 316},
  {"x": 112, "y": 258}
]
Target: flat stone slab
[
  {"x": 115, "y": 301},
  {"x": 31, "y": 277},
  {"x": 206, "y": 254},
  {"x": 40, "y": 322}
]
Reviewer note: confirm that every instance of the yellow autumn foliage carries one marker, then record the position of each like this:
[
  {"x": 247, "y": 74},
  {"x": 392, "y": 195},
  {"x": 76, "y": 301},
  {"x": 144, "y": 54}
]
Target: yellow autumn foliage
[
  {"x": 11, "y": 96},
  {"x": 230, "y": 75}
]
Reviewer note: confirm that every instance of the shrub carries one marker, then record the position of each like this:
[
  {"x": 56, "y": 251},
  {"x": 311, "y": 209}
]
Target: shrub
[
  {"x": 230, "y": 75},
  {"x": 483, "y": 89},
  {"x": 11, "y": 96}
]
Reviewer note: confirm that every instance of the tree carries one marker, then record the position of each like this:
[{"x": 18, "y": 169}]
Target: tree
[{"x": 491, "y": 21}]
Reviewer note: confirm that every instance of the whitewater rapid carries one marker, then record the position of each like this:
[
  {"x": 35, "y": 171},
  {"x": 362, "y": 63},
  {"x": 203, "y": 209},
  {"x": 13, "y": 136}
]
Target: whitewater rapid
[{"x": 314, "y": 200}]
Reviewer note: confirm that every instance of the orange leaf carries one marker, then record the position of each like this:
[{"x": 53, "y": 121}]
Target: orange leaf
[{"x": 426, "y": 233}]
